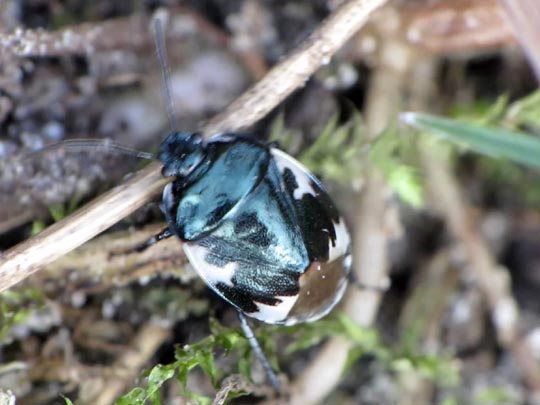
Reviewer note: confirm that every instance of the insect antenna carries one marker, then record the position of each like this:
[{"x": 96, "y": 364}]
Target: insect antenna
[
  {"x": 90, "y": 145},
  {"x": 161, "y": 52}
]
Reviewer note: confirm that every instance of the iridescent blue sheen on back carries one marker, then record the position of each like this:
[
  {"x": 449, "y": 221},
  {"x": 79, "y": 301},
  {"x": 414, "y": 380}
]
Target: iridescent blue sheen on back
[
  {"x": 231, "y": 172},
  {"x": 262, "y": 237},
  {"x": 257, "y": 226}
]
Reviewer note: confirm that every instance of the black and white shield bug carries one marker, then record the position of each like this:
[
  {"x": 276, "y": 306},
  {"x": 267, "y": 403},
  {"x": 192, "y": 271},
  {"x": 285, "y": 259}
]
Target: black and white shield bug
[{"x": 257, "y": 226}]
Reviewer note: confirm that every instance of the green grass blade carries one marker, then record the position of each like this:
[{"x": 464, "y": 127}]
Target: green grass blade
[{"x": 498, "y": 143}]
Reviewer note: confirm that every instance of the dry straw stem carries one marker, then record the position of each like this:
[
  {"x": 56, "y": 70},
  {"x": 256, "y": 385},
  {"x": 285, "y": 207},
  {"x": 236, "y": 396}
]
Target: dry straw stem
[
  {"x": 372, "y": 231},
  {"x": 26, "y": 258},
  {"x": 493, "y": 280},
  {"x": 436, "y": 281}
]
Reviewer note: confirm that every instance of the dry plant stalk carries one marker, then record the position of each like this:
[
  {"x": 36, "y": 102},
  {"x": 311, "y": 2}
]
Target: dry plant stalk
[
  {"x": 372, "y": 232},
  {"x": 493, "y": 280},
  {"x": 26, "y": 258}
]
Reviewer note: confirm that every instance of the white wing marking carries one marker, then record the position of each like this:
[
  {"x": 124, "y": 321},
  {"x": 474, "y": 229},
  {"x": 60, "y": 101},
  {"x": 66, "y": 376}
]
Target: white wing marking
[
  {"x": 210, "y": 273},
  {"x": 302, "y": 174}
]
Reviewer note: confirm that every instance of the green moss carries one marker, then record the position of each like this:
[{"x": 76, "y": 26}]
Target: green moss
[{"x": 16, "y": 306}]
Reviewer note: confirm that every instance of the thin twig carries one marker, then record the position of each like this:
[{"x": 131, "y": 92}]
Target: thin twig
[
  {"x": 27, "y": 257},
  {"x": 493, "y": 280},
  {"x": 64, "y": 236},
  {"x": 435, "y": 282}
]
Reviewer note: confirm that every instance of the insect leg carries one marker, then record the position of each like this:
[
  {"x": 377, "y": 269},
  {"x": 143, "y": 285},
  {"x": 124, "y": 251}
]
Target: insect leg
[
  {"x": 248, "y": 332},
  {"x": 163, "y": 234}
]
